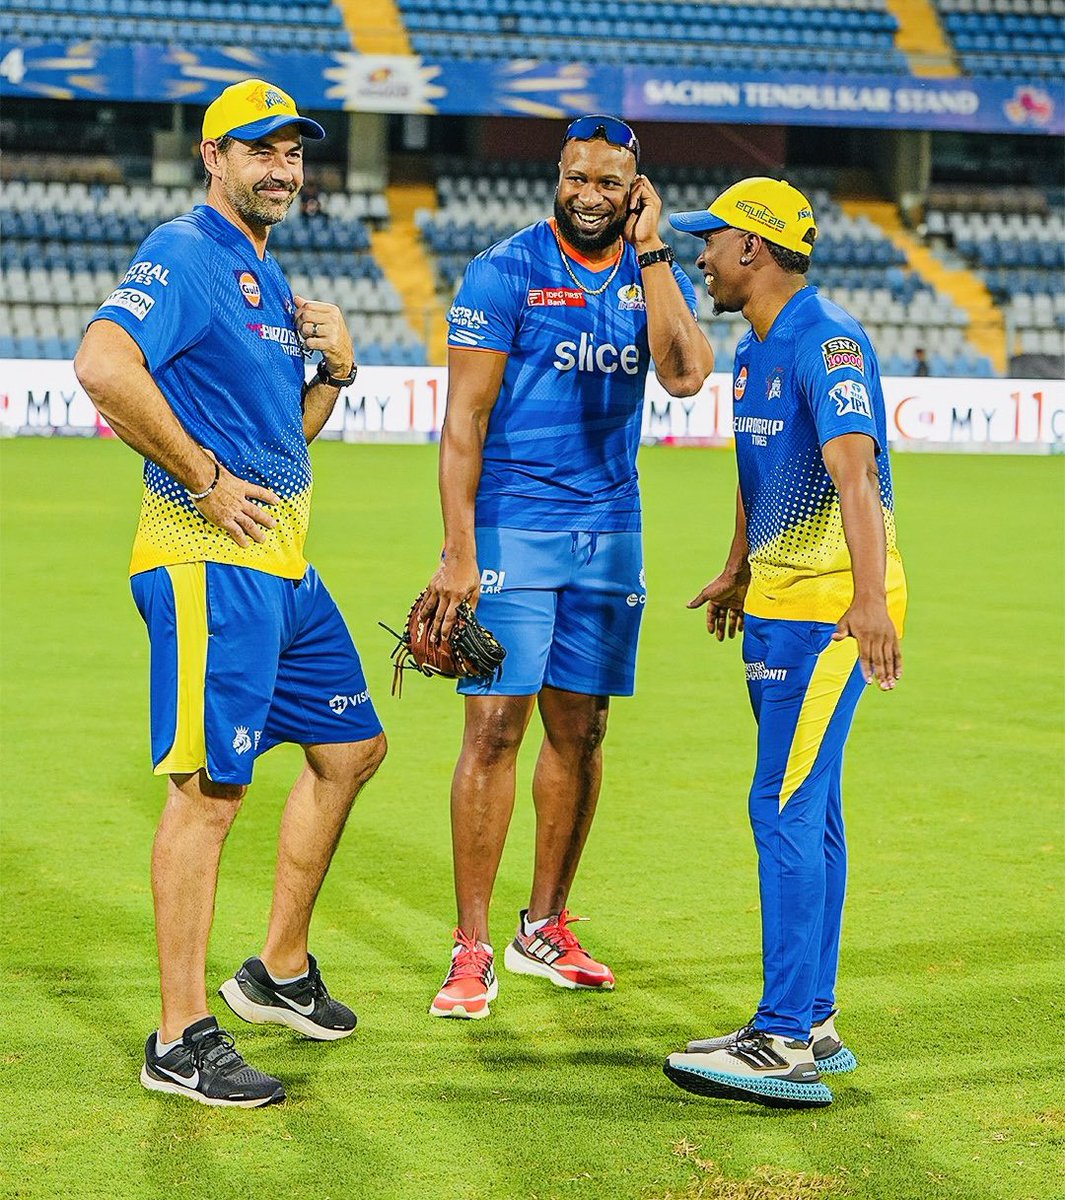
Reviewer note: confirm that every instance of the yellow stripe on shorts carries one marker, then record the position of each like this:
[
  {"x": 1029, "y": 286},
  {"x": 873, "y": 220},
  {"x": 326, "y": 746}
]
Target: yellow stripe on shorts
[
  {"x": 189, "y": 751},
  {"x": 834, "y": 666}
]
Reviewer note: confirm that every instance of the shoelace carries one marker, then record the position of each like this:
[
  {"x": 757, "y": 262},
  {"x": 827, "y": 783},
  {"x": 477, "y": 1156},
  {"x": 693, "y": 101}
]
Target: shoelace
[
  {"x": 215, "y": 1050},
  {"x": 472, "y": 962},
  {"x": 557, "y": 933}
]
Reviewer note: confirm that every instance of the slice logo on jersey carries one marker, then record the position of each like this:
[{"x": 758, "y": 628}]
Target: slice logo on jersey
[
  {"x": 775, "y": 386},
  {"x": 285, "y": 338},
  {"x": 145, "y": 274},
  {"x": 840, "y": 352},
  {"x": 556, "y": 298},
  {"x": 630, "y": 298},
  {"x": 851, "y": 396},
  {"x": 339, "y": 704},
  {"x": 739, "y": 385},
  {"x": 605, "y": 357},
  {"x": 138, "y": 303},
  {"x": 492, "y": 581},
  {"x": 249, "y": 288}
]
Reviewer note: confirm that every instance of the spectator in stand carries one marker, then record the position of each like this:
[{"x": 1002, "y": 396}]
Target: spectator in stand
[{"x": 920, "y": 364}]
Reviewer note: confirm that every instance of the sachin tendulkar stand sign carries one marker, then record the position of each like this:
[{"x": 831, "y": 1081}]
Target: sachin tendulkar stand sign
[{"x": 44, "y": 399}]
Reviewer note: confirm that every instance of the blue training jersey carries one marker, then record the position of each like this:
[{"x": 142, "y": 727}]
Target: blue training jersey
[
  {"x": 814, "y": 378},
  {"x": 216, "y": 327},
  {"x": 560, "y": 450}
]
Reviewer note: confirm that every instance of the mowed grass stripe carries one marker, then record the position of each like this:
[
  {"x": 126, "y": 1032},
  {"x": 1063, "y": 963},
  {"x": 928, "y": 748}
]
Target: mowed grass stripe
[{"x": 951, "y": 961}]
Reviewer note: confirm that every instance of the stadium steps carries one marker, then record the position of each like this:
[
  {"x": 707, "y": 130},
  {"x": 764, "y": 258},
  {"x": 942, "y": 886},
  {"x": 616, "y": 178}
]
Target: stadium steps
[
  {"x": 923, "y": 40},
  {"x": 987, "y": 330},
  {"x": 376, "y": 26},
  {"x": 407, "y": 265}
]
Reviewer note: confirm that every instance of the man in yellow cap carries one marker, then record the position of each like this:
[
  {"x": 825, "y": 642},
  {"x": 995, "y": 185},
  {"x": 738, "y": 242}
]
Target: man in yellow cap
[
  {"x": 196, "y": 360},
  {"x": 814, "y": 582}
]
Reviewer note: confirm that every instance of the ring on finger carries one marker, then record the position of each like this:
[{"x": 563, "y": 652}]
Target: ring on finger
[{"x": 314, "y": 329}]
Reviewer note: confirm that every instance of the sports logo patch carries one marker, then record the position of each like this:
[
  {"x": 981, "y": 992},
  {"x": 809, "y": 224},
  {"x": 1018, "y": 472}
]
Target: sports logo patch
[
  {"x": 839, "y": 352},
  {"x": 739, "y": 386},
  {"x": 249, "y": 288},
  {"x": 556, "y": 298},
  {"x": 761, "y": 213},
  {"x": 774, "y": 387},
  {"x": 138, "y": 303},
  {"x": 144, "y": 274},
  {"x": 630, "y": 298},
  {"x": 851, "y": 396}
]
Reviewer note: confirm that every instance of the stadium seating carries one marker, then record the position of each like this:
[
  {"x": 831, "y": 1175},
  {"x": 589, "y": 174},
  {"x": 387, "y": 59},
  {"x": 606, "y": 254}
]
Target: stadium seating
[
  {"x": 855, "y": 263},
  {"x": 1021, "y": 39},
  {"x": 65, "y": 247},
  {"x": 308, "y": 25}
]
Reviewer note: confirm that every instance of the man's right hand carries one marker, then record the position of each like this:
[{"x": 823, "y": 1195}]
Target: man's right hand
[
  {"x": 457, "y": 579},
  {"x": 235, "y": 505},
  {"x": 724, "y": 597}
]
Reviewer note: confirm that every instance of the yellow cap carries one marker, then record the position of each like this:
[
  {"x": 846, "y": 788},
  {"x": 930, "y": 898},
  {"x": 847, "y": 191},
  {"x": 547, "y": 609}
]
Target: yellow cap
[
  {"x": 251, "y": 110},
  {"x": 769, "y": 207}
]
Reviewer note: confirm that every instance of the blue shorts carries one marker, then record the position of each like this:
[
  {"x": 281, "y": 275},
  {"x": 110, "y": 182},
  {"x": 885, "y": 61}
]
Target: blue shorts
[
  {"x": 567, "y": 608},
  {"x": 242, "y": 660}
]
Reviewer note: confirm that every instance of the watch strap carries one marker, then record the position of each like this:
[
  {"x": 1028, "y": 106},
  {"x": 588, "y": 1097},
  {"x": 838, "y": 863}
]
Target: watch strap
[
  {"x": 323, "y": 376},
  {"x": 650, "y": 257}
]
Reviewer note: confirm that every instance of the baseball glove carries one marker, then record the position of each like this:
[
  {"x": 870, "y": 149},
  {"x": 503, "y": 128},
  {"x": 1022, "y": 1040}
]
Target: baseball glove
[{"x": 471, "y": 651}]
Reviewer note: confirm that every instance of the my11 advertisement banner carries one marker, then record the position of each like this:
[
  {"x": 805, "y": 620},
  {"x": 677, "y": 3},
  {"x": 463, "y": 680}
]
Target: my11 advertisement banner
[{"x": 44, "y": 399}]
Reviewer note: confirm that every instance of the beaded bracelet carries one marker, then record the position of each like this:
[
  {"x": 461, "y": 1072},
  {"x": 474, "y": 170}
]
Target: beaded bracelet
[{"x": 210, "y": 487}]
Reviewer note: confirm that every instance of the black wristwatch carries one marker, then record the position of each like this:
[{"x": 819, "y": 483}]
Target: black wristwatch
[
  {"x": 323, "y": 376},
  {"x": 665, "y": 255}
]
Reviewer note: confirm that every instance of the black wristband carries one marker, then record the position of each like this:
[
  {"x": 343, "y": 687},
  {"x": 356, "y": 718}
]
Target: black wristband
[
  {"x": 651, "y": 257},
  {"x": 323, "y": 376}
]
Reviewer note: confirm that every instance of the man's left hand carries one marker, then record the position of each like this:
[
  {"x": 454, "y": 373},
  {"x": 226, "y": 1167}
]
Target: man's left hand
[
  {"x": 878, "y": 642},
  {"x": 322, "y": 327},
  {"x": 645, "y": 214}
]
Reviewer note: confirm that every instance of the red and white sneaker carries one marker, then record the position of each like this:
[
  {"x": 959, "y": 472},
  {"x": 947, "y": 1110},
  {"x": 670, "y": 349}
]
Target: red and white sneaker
[
  {"x": 471, "y": 982},
  {"x": 554, "y": 953}
]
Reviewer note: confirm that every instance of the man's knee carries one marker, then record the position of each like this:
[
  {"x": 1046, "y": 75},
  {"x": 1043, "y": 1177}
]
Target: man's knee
[
  {"x": 348, "y": 765},
  {"x": 202, "y": 799},
  {"x": 493, "y": 733},
  {"x": 578, "y": 730}
]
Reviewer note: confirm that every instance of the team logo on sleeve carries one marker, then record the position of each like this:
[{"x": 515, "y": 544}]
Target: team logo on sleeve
[
  {"x": 739, "y": 385},
  {"x": 249, "y": 288},
  {"x": 851, "y": 396},
  {"x": 839, "y": 352},
  {"x": 630, "y": 298},
  {"x": 138, "y": 303}
]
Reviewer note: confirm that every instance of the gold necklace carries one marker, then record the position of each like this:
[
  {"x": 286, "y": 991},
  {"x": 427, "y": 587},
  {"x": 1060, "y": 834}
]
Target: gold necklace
[{"x": 569, "y": 270}]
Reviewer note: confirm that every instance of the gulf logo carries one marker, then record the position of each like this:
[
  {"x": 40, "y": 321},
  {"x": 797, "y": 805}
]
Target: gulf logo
[
  {"x": 249, "y": 288},
  {"x": 740, "y": 384}
]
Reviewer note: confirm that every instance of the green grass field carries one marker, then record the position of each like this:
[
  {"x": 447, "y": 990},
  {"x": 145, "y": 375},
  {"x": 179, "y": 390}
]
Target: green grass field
[{"x": 951, "y": 978}]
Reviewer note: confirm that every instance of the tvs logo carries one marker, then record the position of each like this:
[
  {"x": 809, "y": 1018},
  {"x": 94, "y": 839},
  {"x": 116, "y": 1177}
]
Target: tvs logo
[
  {"x": 739, "y": 386},
  {"x": 839, "y": 352},
  {"x": 249, "y": 288},
  {"x": 556, "y": 298}
]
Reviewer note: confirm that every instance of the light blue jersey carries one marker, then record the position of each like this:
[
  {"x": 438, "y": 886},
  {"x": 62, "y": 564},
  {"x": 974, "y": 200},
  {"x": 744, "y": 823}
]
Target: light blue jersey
[{"x": 560, "y": 451}]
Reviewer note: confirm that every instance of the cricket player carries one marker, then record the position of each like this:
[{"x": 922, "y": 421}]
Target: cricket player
[
  {"x": 815, "y": 583},
  {"x": 197, "y": 361},
  {"x": 551, "y": 337}
]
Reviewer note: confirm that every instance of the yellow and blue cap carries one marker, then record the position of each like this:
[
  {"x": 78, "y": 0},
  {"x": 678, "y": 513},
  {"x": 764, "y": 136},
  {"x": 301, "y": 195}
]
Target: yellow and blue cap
[
  {"x": 771, "y": 208},
  {"x": 252, "y": 109}
]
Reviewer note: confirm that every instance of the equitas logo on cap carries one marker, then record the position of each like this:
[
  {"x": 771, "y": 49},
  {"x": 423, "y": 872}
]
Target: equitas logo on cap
[
  {"x": 252, "y": 109},
  {"x": 770, "y": 207}
]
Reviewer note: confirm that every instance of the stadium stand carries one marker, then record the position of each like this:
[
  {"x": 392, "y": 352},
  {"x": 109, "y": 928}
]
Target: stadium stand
[
  {"x": 298, "y": 24},
  {"x": 66, "y": 246},
  {"x": 855, "y": 263},
  {"x": 1022, "y": 39}
]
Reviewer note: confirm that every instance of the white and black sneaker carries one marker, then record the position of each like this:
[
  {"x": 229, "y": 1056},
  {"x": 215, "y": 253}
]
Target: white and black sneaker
[
  {"x": 206, "y": 1068},
  {"x": 830, "y": 1054},
  {"x": 304, "y": 1005},
  {"x": 756, "y": 1066}
]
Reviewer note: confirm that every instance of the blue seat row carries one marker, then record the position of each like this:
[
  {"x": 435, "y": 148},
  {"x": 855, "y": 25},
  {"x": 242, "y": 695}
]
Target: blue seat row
[
  {"x": 1048, "y": 255},
  {"x": 269, "y": 11},
  {"x": 1003, "y": 283}
]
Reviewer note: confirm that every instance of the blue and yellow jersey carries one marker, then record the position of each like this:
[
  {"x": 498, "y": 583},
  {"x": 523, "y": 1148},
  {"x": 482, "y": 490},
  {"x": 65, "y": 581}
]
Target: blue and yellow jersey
[
  {"x": 216, "y": 327},
  {"x": 814, "y": 378},
  {"x": 560, "y": 451}
]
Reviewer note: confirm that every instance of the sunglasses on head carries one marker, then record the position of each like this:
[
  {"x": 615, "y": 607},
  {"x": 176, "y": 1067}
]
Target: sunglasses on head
[{"x": 616, "y": 132}]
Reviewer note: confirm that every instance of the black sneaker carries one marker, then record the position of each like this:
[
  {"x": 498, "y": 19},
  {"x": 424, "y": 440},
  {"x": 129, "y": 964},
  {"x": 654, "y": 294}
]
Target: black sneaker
[
  {"x": 206, "y": 1068},
  {"x": 305, "y": 1005}
]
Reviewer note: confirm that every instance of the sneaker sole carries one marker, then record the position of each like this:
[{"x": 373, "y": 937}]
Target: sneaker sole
[
  {"x": 460, "y": 1011},
  {"x": 774, "y": 1093},
  {"x": 520, "y": 964},
  {"x": 161, "y": 1085},
  {"x": 271, "y": 1014},
  {"x": 837, "y": 1064}
]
